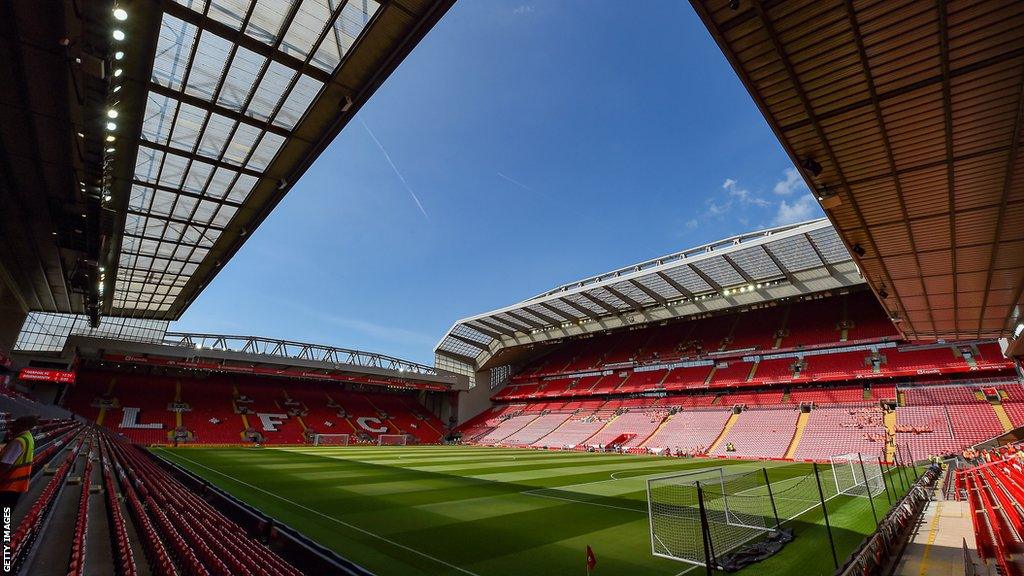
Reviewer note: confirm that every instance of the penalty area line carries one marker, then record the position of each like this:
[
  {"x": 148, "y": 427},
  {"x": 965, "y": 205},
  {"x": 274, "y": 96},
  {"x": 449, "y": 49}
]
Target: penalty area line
[
  {"x": 331, "y": 518},
  {"x": 573, "y": 500}
]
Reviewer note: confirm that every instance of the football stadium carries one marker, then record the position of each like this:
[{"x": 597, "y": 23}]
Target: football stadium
[{"x": 834, "y": 395}]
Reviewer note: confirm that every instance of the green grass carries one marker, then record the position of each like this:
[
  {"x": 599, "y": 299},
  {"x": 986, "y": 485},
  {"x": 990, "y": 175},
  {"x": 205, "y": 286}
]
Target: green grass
[{"x": 456, "y": 510}]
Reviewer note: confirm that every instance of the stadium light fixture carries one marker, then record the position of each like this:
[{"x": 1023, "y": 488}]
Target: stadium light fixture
[
  {"x": 110, "y": 138},
  {"x": 812, "y": 166},
  {"x": 120, "y": 14},
  {"x": 118, "y": 55},
  {"x": 118, "y": 34},
  {"x": 111, "y": 113},
  {"x": 118, "y": 72},
  {"x": 111, "y": 126}
]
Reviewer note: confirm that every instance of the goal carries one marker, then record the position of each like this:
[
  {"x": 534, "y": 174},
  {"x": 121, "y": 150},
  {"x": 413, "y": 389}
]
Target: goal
[
  {"x": 698, "y": 517},
  {"x": 391, "y": 440},
  {"x": 857, "y": 475},
  {"x": 710, "y": 518},
  {"x": 330, "y": 440}
]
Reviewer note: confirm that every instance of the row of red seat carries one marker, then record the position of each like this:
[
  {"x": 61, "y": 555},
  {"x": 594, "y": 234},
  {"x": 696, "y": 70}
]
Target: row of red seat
[
  {"x": 76, "y": 564},
  {"x": 122, "y": 549},
  {"x": 202, "y": 539},
  {"x": 212, "y": 406},
  {"x": 841, "y": 419},
  {"x": 848, "y": 318},
  {"x": 995, "y": 492},
  {"x": 837, "y": 367},
  {"x": 33, "y": 521}
]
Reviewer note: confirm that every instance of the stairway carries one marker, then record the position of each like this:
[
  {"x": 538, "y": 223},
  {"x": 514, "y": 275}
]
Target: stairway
[
  {"x": 889, "y": 420},
  {"x": 177, "y": 398},
  {"x": 801, "y": 423},
  {"x": 606, "y": 423},
  {"x": 103, "y": 409},
  {"x": 1004, "y": 418},
  {"x": 753, "y": 369},
  {"x": 733, "y": 418},
  {"x": 664, "y": 422},
  {"x": 707, "y": 380}
]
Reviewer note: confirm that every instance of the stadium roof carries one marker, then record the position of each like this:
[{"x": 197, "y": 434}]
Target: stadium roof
[
  {"x": 172, "y": 134},
  {"x": 261, "y": 356},
  {"x": 911, "y": 114},
  {"x": 743, "y": 270}
]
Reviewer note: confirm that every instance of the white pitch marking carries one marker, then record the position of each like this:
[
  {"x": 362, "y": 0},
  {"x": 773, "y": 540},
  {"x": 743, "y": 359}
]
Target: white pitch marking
[
  {"x": 528, "y": 493},
  {"x": 331, "y": 518}
]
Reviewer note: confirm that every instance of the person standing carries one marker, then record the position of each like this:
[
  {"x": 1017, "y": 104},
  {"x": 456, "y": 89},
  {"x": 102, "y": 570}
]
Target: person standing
[{"x": 16, "y": 461}]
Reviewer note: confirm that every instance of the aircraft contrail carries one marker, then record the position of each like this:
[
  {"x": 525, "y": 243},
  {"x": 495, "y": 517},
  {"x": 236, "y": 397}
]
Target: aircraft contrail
[
  {"x": 395, "y": 168},
  {"x": 516, "y": 182}
]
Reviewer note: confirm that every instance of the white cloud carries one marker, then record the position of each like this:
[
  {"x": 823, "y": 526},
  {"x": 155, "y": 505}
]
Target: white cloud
[
  {"x": 800, "y": 209},
  {"x": 716, "y": 209},
  {"x": 793, "y": 183},
  {"x": 523, "y": 9},
  {"x": 691, "y": 224},
  {"x": 742, "y": 194}
]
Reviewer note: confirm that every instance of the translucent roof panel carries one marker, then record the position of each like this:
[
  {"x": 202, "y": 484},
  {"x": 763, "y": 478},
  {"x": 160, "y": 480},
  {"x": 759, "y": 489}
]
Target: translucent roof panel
[
  {"x": 829, "y": 245},
  {"x": 688, "y": 279},
  {"x": 720, "y": 271},
  {"x": 795, "y": 253},
  {"x": 633, "y": 293},
  {"x": 660, "y": 286},
  {"x": 216, "y": 116},
  {"x": 755, "y": 263}
]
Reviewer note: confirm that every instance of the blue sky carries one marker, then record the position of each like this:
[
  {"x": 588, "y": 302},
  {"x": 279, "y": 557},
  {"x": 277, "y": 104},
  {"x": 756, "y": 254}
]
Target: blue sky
[{"x": 520, "y": 146}]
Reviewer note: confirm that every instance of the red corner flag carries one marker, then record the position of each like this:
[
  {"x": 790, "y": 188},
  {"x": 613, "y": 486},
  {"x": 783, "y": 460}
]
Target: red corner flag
[{"x": 591, "y": 559}]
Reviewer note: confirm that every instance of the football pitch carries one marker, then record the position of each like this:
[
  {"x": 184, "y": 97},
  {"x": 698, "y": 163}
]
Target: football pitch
[{"x": 461, "y": 510}]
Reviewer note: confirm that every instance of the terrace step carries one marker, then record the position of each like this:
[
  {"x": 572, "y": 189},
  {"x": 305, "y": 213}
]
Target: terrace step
[
  {"x": 1003, "y": 417},
  {"x": 664, "y": 422},
  {"x": 733, "y": 418},
  {"x": 889, "y": 421},
  {"x": 801, "y": 423}
]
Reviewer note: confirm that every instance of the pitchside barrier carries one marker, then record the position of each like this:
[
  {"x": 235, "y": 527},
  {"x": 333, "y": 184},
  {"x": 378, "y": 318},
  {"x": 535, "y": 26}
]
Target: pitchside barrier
[{"x": 708, "y": 517}]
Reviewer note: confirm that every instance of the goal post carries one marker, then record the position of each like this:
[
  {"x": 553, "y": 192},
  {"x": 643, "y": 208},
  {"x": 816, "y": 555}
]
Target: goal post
[
  {"x": 700, "y": 517},
  {"x": 330, "y": 439},
  {"x": 711, "y": 518},
  {"x": 855, "y": 475},
  {"x": 391, "y": 440}
]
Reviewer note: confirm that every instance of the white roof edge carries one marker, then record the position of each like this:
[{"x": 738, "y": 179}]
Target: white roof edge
[
  {"x": 695, "y": 254},
  {"x": 699, "y": 253}
]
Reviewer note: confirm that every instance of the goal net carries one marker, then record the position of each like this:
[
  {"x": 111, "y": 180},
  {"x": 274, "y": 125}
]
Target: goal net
[
  {"x": 857, "y": 475},
  {"x": 391, "y": 440},
  {"x": 330, "y": 440},
  {"x": 699, "y": 516}
]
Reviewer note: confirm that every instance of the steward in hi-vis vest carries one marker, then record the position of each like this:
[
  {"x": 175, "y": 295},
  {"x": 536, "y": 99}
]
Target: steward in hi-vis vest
[{"x": 16, "y": 461}]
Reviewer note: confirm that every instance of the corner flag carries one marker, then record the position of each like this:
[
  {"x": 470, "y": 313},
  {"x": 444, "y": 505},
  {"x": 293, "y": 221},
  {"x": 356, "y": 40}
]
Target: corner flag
[{"x": 591, "y": 559}]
